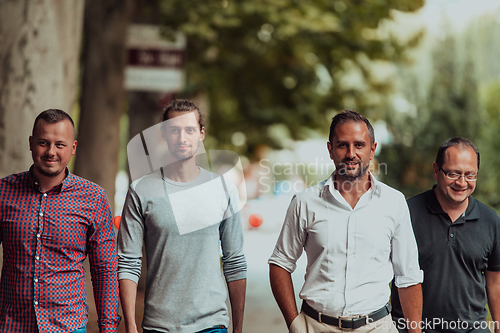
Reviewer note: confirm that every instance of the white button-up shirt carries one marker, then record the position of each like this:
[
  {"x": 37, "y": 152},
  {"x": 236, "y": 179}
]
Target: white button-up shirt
[{"x": 352, "y": 253}]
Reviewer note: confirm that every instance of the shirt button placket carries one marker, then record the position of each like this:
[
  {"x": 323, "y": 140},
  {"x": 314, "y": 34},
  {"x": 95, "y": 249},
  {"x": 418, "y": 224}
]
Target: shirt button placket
[
  {"x": 451, "y": 234},
  {"x": 350, "y": 274},
  {"x": 39, "y": 228}
]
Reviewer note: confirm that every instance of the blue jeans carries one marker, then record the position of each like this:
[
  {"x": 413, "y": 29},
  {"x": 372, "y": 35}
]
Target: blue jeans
[
  {"x": 216, "y": 329},
  {"x": 81, "y": 330}
]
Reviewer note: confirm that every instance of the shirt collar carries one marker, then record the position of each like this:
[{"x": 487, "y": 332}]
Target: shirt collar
[
  {"x": 471, "y": 213},
  {"x": 375, "y": 188}
]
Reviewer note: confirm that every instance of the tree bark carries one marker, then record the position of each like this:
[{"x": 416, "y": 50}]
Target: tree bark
[
  {"x": 145, "y": 110},
  {"x": 39, "y": 53},
  {"x": 103, "y": 94}
]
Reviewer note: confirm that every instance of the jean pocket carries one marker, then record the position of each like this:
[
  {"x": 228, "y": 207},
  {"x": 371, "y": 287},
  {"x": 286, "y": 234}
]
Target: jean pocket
[{"x": 298, "y": 324}]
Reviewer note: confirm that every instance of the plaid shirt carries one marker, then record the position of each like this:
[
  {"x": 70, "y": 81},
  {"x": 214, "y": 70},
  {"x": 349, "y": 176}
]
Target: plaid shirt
[{"x": 46, "y": 237}]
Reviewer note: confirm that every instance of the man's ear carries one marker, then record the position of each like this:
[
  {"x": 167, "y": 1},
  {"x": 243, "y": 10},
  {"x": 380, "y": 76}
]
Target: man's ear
[
  {"x": 202, "y": 136},
  {"x": 435, "y": 170},
  {"x": 163, "y": 131},
  {"x": 330, "y": 148},
  {"x": 372, "y": 150},
  {"x": 30, "y": 142},
  {"x": 73, "y": 151}
]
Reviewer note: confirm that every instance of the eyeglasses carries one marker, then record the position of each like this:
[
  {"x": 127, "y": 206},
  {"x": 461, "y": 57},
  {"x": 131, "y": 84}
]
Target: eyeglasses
[{"x": 456, "y": 176}]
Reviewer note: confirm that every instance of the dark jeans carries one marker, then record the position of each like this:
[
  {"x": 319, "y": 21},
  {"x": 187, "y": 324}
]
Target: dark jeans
[{"x": 81, "y": 330}]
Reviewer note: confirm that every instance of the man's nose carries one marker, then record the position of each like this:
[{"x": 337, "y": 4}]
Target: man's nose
[
  {"x": 182, "y": 136},
  {"x": 51, "y": 150},
  {"x": 461, "y": 181},
  {"x": 351, "y": 152}
]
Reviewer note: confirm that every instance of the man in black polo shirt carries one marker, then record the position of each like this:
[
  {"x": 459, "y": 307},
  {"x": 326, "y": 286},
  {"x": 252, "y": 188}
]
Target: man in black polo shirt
[{"x": 458, "y": 240}]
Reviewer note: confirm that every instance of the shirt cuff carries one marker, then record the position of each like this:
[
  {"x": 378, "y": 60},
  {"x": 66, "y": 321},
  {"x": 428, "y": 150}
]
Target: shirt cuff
[
  {"x": 108, "y": 330},
  {"x": 128, "y": 276},
  {"x": 277, "y": 260},
  {"x": 408, "y": 280}
]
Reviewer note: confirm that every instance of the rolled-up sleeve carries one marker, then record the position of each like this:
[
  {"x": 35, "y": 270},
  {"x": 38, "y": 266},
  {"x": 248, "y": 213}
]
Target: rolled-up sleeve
[
  {"x": 130, "y": 238},
  {"x": 407, "y": 270},
  {"x": 290, "y": 243}
]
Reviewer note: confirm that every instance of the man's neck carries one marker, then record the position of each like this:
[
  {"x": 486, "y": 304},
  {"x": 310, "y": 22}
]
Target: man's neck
[
  {"x": 46, "y": 183},
  {"x": 182, "y": 171},
  {"x": 454, "y": 211},
  {"x": 352, "y": 189}
]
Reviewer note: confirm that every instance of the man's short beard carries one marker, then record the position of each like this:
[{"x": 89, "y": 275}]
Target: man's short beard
[
  {"x": 342, "y": 174},
  {"x": 183, "y": 157},
  {"x": 49, "y": 174}
]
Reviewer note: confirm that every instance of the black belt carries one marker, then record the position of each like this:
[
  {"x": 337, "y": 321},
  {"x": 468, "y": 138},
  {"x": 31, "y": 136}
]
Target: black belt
[{"x": 346, "y": 323}]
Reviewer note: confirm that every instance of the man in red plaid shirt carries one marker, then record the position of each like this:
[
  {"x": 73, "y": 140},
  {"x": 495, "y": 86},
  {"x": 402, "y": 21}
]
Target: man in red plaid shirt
[{"x": 50, "y": 220}]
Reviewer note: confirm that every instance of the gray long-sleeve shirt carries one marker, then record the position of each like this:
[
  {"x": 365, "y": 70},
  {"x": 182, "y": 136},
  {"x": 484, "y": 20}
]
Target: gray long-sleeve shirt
[{"x": 183, "y": 227}]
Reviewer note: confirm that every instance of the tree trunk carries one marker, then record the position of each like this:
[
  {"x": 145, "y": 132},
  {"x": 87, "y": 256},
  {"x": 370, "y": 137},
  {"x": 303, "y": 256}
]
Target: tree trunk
[
  {"x": 103, "y": 94},
  {"x": 39, "y": 53},
  {"x": 145, "y": 110}
]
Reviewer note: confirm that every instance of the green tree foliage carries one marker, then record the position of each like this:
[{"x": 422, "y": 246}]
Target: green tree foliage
[
  {"x": 463, "y": 100},
  {"x": 448, "y": 108},
  {"x": 268, "y": 62},
  {"x": 489, "y": 179},
  {"x": 484, "y": 39}
]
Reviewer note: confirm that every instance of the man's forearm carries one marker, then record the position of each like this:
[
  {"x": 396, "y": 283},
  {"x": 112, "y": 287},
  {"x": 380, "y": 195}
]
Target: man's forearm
[
  {"x": 102, "y": 262},
  {"x": 282, "y": 287},
  {"x": 411, "y": 303},
  {"x": 128, "y": 293},
  {"x": 493, "y": 292},
  {"x": 237, "y": 291}
]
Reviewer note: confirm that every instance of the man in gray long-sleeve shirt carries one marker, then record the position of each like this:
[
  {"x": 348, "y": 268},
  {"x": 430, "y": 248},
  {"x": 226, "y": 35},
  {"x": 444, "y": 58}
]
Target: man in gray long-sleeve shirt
[{"x": 183, "y": 215}]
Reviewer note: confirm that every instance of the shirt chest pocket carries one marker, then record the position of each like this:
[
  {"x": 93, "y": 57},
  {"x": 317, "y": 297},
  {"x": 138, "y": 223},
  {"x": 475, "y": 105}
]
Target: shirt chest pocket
[{"x": 64, "y": 231}]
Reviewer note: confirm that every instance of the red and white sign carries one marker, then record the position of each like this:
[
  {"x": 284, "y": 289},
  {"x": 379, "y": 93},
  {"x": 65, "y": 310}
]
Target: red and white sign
[{"x": 154, "y": 63}]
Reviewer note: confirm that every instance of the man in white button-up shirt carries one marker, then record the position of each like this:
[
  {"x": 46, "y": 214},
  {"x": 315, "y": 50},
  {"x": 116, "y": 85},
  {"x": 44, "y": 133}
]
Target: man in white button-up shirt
[{"x": 357, "y": 236}]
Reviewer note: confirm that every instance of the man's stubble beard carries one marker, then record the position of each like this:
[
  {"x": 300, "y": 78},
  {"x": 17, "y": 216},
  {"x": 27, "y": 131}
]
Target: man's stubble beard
[
  {"x": 184, "y": 156},
  {"x": 49, "y": 174},
  {"x": 344, "y": 175}
]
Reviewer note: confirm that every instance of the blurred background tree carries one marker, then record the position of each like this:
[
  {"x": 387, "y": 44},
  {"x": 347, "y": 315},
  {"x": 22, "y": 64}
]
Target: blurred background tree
[
  {"x": 258, "y": 64},
  {"x": 287, "y": 63},
  {"x": 460, "y": 100},
  {"x": 102, "y": 100},
  {"x": 448, "y": 107},
  {"x": 39, "y": 54}
]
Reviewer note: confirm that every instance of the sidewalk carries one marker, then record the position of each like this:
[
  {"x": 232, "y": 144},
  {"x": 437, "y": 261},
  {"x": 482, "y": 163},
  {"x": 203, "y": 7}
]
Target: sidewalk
[{"x": 262, "y": 314}]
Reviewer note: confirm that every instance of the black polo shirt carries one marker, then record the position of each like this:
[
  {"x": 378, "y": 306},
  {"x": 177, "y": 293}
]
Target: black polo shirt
[{"x": 454, "y": 257}]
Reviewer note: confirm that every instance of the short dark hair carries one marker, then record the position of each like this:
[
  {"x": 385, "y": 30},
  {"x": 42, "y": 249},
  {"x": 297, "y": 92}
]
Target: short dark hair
[
  {"x": 350, "y": 115},
  {"x": 457, "y": 142},
  {"x": 52, "y": 116},
  {"x": 182, "y": 105}
]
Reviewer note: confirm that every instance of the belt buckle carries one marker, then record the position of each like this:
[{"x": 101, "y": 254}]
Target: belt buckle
[
  {"x": 319, "y": 316},
  {"x": 345, "y": 321}
]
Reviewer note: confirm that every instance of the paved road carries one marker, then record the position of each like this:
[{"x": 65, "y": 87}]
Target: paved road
[{"x": 262, "y": 314}]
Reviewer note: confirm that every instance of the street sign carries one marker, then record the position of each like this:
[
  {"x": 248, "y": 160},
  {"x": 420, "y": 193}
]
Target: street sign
[{"x": 154, "y": 63}]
